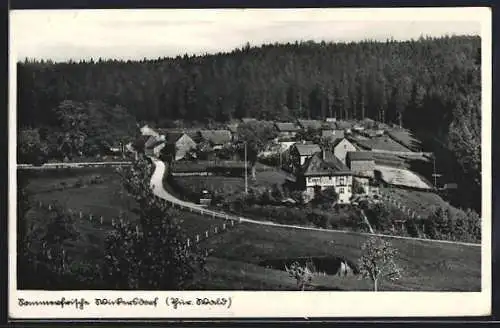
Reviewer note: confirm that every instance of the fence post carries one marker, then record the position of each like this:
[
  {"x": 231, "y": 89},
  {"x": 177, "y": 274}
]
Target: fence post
[
  {"x": 188, "y": 242},
  {"x": 102, "y": 220},
  {"x": 206, "y": 233},
  {"x": 197, "y": 238},
  {"x": 90, "y": 217},
  {"x": 223, "y": 226},
  {"x": 215, "y": 230}
]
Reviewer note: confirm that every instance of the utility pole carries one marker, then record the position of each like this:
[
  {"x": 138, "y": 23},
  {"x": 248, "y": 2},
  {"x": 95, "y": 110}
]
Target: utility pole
[
  {"x": 434, "y": 174},
  {"x": 246, "y": 170}
]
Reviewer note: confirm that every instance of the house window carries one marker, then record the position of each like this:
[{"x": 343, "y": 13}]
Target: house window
[
  {"x": 341, "y": 190},
  {"x": 314, "y": 180},
  {"x": 342, "y": 181},
  {"x": 348, "y": 189}
]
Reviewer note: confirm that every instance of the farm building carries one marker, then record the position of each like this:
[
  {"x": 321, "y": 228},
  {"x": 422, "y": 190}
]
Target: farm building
[
  {"x": 183, "y": 144},
  {"x": 383, "y": 144},
  {"x": 248, "y": 119},
  {"x": 155, "y": 148},
  {"x": 372, "y": 133},
  {"x": 217, "y": 138},
  {"x": 300, "y": 152},
  {"x": 361, "y": 162},
  {"x": 191, "y": 132},
  {"x": 286, "y": 130},
  {"x": 343, "y": 125},
  {"x": 323, "y": 170},
  {"x": 341, "y": 147},
  {"x": 310, "y": 124},
  {"x": 332, "y": 134},
  {"x": 147, "y": 131}
]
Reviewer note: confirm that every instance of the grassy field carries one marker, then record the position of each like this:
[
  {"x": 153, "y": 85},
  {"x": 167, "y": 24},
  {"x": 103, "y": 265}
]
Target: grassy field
[
  {"x": 420, "y": 201},
  {"x": 230, "y": 185},
  {"x": 428, "y": 266},
  {"x": 234, "y": 263}
]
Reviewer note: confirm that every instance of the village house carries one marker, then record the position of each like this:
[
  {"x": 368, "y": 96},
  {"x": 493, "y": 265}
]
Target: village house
[
  {"x": 341, "y": 147},
  {"x": 216, "y": 138},
  {"x": 362, "y": 165},
  {"x": 323, "y": 170},
  {"x": 153, "y": 145},
  {"x": 330, "y": 123},
  {"x": 382, "y": 144},
  {"x": 233, "y": 129},
  {"x": 286, "y": 130},
  {"x": 361, "y": 162},
  {"x": 147, "y": 131},
  {"x": 182, "y": 142},
  {"x": 310, "y": 124},
  {"x": 299, "y": 153},
  {"x": 332, "y": 134}
]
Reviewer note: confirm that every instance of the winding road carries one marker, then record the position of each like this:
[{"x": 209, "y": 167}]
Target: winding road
[{"x": 158, "y": 189}]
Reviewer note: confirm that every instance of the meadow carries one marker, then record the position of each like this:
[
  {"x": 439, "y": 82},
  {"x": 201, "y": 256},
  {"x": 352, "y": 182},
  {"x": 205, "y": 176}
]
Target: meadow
[{"x": 237, "y": 255}]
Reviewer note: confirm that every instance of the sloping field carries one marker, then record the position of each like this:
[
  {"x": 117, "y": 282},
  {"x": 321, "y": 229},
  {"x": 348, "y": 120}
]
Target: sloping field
[
  {"x": 406, "y": 138},
  {"x": 234, "y": 263},
  {"x": 421, "y": 202},
  {"x": 401, "y": 177},
  {"x": 428, "y": 266}
]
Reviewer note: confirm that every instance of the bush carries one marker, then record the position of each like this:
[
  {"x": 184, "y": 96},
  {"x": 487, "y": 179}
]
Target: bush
[
  {"x": 79, "y": 183},
  {"x": 443, "y": 223}
]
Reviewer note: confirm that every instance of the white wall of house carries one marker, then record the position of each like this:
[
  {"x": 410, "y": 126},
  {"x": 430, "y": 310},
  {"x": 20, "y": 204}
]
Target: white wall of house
[
  {"x": 342, "y": 185},
  {"x": 342, "y": 148},
  {"x": 184, "y": 144}
]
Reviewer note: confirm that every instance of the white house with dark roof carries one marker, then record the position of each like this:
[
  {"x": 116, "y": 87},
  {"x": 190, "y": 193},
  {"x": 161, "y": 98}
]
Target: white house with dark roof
[
  {"x": 341, "y": 147},
  {"x": 323, "y": 170},
  {"x": 182, "y": 142},
  {"x": 300, "y": 152}
]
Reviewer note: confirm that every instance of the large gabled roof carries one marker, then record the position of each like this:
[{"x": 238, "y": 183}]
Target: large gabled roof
[
  {"x": 216, "y": 137},
  {"x": 310, "y": 124},
  {"x": 307, "y": 149},
  {"x": 384, "y": 143},
  {"x": 286, "y": 127},
  {"x": 324, "y": 164}
]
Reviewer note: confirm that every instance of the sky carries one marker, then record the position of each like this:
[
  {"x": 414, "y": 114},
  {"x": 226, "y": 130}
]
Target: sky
[{"x": 61, "y": 35}]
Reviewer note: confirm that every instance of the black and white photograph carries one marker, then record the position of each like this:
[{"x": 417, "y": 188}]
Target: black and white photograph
[{"x": 248, "y": 162}]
